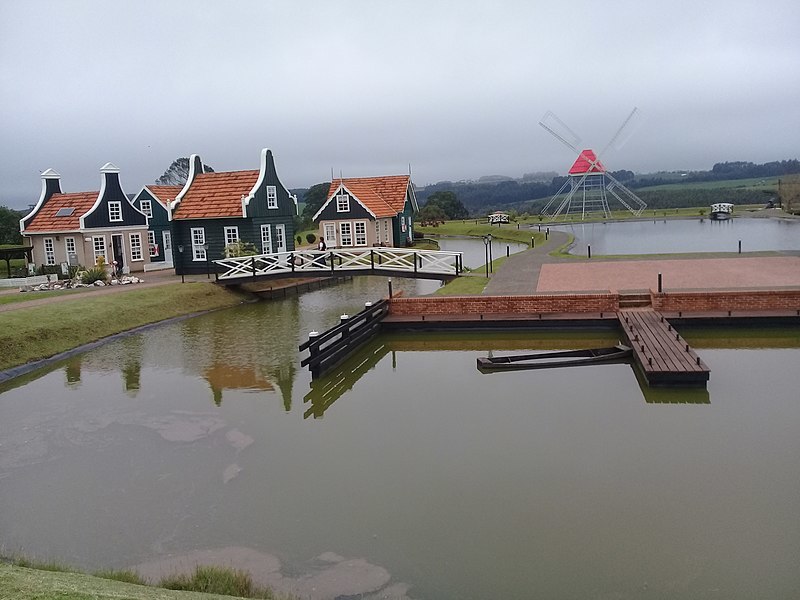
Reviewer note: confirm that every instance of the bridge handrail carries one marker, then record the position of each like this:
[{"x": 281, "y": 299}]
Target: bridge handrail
[{"x": 318, "y": 261}]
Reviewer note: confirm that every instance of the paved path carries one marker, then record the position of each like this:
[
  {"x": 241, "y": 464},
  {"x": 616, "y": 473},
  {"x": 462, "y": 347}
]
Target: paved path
[{"x": 535, "y": 271}]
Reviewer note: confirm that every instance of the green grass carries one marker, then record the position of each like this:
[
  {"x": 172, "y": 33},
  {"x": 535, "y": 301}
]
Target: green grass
[
  {"x": 32, "y": 333},
  {"x": 22, "y": 583},
  {"x": 755, "y": 183},
  {"x": 470, "y": 228},
  {"x": 217, "y": 580},
  {"x": 471, "y": 284},
  {"x": 25, "y": 297}
]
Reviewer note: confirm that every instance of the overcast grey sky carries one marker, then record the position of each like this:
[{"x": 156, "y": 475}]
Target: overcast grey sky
[{"x": 454, "y": 88}]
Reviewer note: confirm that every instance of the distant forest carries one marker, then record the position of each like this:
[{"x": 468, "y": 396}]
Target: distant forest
[{"x": 487, "y": 194}]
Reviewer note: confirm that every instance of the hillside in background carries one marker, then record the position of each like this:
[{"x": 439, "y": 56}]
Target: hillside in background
[{"x": 738, "y": 182}]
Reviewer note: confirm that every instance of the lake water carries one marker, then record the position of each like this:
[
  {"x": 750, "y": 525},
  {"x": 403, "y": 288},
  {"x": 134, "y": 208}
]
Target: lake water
[
  {"x": 448, "y": 483},
  {"x": 683, "y": 235},
  {"x": 475, "y": 251}
]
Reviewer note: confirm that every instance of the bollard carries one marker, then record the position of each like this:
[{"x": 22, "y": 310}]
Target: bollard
[
  {"x": 390, "y": 289},
  {"x": 659, "y": 287},
  {"x": 367, "y": 304},
  {"x": 508, "y": 251},
  {"x": 740, "y": 246},
  {"x": 589, "y": 250},
  {"x": 533, "y": 242},
  {"x": 313, "y": 350},
  {"x": 546, "y": 233}
]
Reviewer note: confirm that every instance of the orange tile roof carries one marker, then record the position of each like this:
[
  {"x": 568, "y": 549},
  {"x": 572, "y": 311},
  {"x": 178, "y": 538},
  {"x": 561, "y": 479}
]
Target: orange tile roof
[
  {"x": 213, "y": 195},
  {"x": 164, "y": 193},
  {"x": 46, "y": 219},
  {"x": 384, "y": 196}
]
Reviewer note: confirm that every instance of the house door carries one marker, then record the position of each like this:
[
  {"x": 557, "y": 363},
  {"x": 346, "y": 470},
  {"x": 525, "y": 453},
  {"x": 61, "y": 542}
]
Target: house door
[
  {"x": 330, "y": 235},
  {"x": 167, "y": 238},
  {"x": 280, "y": 237},
  {"x": 118, "y": 251}
]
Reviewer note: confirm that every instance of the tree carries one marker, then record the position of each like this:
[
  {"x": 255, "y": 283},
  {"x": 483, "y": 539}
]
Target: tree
[
  {"x": 178, "y": 172},
  {"x": 9, "y": 226},
  {"x": 431, "y": 214},
  {"x": 449, "y": 204},
  {"x": 314, "y": 198}
]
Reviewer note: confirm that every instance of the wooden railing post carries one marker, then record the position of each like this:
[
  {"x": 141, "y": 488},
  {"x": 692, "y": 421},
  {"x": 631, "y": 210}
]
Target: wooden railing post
[
  {"x": 415, "y": 262},
  {"x": 291, "y": 261},
  {"x": 253, "y": 266},
  {"x": 313, "y": 350},
  {"x": 372, "y": 259}
]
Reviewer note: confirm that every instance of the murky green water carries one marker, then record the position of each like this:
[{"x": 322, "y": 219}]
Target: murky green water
[{"x": 568, "y": 483}]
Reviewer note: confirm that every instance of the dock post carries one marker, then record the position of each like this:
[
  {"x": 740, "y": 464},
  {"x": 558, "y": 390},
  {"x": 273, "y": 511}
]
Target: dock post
[
  {"x": 313, "y": 350},
  {"x": 659, "y": 283},
  {"x": 345, "y": 320},
  {"x": 390, "y": 288}
]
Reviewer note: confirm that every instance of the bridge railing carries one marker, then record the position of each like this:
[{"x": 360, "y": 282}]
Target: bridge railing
[{"x": 377, "y": 260}]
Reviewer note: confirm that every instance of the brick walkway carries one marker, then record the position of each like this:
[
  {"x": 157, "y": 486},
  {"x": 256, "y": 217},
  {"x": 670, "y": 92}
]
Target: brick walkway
[{"x": 535, "y": 271}]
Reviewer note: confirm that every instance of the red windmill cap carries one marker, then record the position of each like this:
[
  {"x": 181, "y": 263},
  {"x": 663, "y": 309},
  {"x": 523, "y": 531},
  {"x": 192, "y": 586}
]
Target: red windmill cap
[{"x": 587, "y": 162}]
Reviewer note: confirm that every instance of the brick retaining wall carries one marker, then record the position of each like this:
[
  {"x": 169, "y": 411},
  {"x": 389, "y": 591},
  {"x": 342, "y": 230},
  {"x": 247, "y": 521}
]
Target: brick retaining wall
[
  {"x": 540, "y": 303},
  {"x": 721, "y": 301}
]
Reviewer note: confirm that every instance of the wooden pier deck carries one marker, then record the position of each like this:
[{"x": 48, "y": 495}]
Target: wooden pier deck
[{"x": 664, "y": 357}]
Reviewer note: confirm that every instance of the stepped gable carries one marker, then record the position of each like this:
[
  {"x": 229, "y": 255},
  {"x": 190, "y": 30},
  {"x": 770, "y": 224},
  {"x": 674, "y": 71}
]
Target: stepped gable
[
  {"x": 46, "y": 219},
  {"x": 583, "y": 163},
  {"x": 383, "y": 196},
  {"x": 219, "y": 194}
]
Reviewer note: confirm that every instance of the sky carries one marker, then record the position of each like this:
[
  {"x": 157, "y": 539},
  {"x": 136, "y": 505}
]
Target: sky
[{"x": 455, "y": 89}]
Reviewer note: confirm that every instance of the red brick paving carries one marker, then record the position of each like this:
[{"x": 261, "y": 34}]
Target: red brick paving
[{"x": 702, "y": 273}]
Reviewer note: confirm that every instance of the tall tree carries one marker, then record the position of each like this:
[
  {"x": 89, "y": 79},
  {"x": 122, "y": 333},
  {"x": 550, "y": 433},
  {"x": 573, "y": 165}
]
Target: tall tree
[
  {"x": 178, "y": 172},
  {"x": 314, "y": 198},
  {"x": 9, "y": 226},
  {"x": 449, "y": 203}
]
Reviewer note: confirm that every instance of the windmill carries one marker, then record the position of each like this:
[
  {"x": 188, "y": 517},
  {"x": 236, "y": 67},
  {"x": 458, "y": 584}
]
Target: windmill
[{"x": 590, "y": 185}]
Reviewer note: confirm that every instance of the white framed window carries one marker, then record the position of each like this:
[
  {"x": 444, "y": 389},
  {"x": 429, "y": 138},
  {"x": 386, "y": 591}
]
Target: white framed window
[
  {"x": 377, "y": 232},
  {"x": 136, "y": 246},
  {"x": 402, "y": 223},
  {"x": 146, "y": 207},
  {"x": 69, "y": 246},
  {"x": 342, "y": 203},
  {"x": 361, "y": 233},
  {"x": 386, "y": 230},
  {"x": 346, "y": 233},
  {"x": 330, "y": 235},
  {"x": 231, "y": 235},
  {"x": 151, "y": 243},
  {"x": 266, "y": 239},
  {"x": 272, "y": 196},
  {"x": 280, "y": 237},
  {"x": 115, "y": 210},
  {"x": 49, "y": 252},
  {"x": 198, "y": 240},
  {"x": 99, "y": 247}
]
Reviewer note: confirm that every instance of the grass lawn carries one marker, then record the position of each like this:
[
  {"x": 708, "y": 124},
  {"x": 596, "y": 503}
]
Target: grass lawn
[
  {"x": 33, "y": 333},
  {"x": 471, "y": 228},
  {"x": 21, "y": 583},
  {"x": 20, "y": 297},
  {"x": 471, "y": 284}
]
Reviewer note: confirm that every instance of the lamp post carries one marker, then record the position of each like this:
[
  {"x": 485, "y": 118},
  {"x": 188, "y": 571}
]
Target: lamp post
[
  {"x": 486, "y": 239},
  {"x": 208, "y": 264},
  {"x": 180, "y": 254},
  {"x": 491, "y": 268}
]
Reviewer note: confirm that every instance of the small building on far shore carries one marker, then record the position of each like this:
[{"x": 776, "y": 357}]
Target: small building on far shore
[{"x": 498, "y": 217}]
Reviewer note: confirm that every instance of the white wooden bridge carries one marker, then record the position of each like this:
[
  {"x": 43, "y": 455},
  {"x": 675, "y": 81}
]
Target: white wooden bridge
[{"x": 400, "y": 262}]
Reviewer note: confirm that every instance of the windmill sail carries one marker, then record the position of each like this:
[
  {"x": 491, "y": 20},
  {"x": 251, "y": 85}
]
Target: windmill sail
[{"x": 587, "y": 189}]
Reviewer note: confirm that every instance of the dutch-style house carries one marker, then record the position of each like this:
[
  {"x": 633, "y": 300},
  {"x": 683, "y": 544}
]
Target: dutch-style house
[
  {"x": 84, "y": 227},
  {"x": 368, "y": 211},
  {"x": 215, "y": 210},
  {"x": 154, "y": 201}
]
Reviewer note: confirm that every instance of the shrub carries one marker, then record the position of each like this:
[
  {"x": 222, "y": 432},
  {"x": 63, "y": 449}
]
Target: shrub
[
  {"x": 240, "y": 249},
  {"x": 212, "y": 580},
  {"x": 94, "y": 274},
  {"x": 311, "y": 238},
  {"x": 299, "y": 240}
]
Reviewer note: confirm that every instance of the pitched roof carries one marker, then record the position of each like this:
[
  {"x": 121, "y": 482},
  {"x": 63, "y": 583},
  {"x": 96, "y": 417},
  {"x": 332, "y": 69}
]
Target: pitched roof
[
  {"x": 584, "y": 164},
  {"x": 164, "y": 193},
  {"x": 46, "y": 220},
  {"x": 383, "y": 196},
  {"x": 213, "y": 195}
]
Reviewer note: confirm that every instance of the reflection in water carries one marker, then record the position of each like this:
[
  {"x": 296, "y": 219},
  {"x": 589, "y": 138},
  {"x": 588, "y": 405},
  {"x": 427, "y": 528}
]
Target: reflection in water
[{"x": 455, "y": 484}]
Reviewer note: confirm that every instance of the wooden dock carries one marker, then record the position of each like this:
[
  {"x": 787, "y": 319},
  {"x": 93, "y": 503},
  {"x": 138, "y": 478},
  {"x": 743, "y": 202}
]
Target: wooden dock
[{"x": 664, "y": 357}]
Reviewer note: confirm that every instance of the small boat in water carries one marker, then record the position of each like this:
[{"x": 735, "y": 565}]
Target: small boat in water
[
  {"x": 721, "y": 211},
  {"x": 559, "y": 358}
]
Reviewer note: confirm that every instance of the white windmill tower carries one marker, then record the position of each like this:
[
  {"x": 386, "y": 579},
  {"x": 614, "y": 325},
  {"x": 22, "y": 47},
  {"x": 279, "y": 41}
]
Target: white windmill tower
[{"x": 590, "y": 185}]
